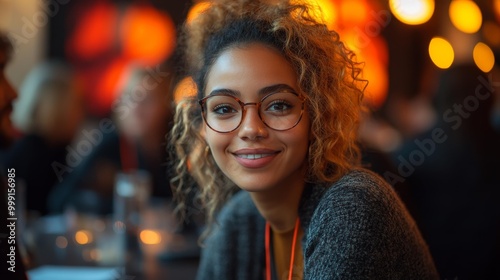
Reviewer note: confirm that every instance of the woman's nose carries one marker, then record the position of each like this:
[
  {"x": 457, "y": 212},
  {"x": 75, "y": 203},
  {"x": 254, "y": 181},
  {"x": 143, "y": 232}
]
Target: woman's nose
[{"x": 252, "y": 126}]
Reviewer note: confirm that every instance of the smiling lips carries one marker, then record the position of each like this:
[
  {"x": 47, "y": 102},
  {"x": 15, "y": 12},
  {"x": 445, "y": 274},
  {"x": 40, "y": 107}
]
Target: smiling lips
[{"x": 255, "y": 158}]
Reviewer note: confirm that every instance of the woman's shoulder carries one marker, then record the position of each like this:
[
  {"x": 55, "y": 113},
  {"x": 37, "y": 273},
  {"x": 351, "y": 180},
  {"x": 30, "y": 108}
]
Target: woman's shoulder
[
  {"x": 361, "y": 177},
  {"x": 234, "y": 241},
  {"x": 362, "y": 188},
  {"x": 238, "y": 209},
  {"x": 365, "y": 230},
  {"x": 362, "y": 197}
]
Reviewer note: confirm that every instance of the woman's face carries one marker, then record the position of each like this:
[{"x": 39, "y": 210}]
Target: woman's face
[
  {"x": 147, "y": 116},
  {"x": 254, "y": 156},
  {"x": 59, "y": 112}
]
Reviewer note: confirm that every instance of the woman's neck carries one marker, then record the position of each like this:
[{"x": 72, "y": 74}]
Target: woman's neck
[{"x": 279, "y": 206}]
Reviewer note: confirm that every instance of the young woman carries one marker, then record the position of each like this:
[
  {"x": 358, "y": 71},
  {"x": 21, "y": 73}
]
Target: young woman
[{"x": 276, "y": 116}]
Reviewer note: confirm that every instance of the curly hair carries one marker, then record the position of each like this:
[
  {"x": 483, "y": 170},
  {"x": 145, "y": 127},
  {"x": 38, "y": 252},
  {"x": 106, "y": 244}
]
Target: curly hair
[{"x": 327, "y": 73}]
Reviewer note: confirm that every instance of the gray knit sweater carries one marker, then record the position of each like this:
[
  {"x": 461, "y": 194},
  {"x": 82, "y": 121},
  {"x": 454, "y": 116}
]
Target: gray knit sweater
[{"x": 356, "y": 228}]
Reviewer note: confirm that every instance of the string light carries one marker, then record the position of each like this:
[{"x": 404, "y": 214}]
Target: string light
[
  {"x": 83, "y": 237},
  {"x": 465, "y": 15},
  {"x": 150, "y": 237},
  {"x": 412, "y": 12},
  {"x": 441, "y": 52},
  {"x": 483, "y": 57}
]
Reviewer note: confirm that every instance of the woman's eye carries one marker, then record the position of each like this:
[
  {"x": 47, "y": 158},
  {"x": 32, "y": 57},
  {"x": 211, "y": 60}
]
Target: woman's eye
[
  {"x": 279, "y": 106},
  {"x": 224, "y": 109}
]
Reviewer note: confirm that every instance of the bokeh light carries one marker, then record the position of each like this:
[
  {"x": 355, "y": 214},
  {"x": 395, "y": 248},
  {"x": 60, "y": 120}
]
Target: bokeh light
[
  {"x": 483, "y": 57},
  {"x": 441, "y": 52},
  {"x": 184, "y": 88},
  {"x": 61, "y": 242},
  {"x": 94, "y": 33},
  {"x": 148, "y": 35},
  {"x": 327, "y": 12},
  {"x": 354, "y": 11},
  {"x": 412, "y": 12},
  {"x": 95, "y": 254},
  {"x": 496, "y": 8},
  {"x": 359, "y": 23},
  {"x": 111, "y": 81},
  {"x": 107, "y": 38},
  {"x": 196, "y": 10},
  {"x": 375, "y": 59},
  {"x": 83, "y": 237},
  {"x": 150, "y": 237},
  {"x": 465, "y": 15},
  {"x": 491, "y": 33}
]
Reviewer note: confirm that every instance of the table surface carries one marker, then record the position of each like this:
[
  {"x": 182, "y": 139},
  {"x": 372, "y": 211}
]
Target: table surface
[
  {"x": 56, "y": 251},
  {"x": 179, "y": 270}
]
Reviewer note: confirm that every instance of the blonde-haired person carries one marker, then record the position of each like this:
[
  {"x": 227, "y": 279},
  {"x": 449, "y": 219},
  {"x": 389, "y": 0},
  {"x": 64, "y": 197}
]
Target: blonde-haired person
[
  {"x": 48, "y": 113},
  {"x": 276, "y": 115}
]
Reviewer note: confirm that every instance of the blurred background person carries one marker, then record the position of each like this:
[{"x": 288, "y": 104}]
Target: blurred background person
[
  {"x": 7, "y": 96},
  {"x": 47, "y": 113},
  {"x": 454, "y": 181},
  {"x": 137, "y": 142}
]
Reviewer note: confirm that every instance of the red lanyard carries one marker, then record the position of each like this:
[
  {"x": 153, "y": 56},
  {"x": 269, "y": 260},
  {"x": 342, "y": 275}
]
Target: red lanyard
[
  {"x": 268, "y": 250},
  {"x": 128, "y": 157}
]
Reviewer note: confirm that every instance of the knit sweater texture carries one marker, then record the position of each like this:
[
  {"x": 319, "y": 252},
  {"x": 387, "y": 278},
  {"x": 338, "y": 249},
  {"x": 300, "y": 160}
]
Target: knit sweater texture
[{"x": 356, "y": 228}]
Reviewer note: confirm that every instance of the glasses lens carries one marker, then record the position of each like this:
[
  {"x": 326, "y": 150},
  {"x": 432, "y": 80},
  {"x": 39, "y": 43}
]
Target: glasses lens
[
  {"x": 279, "y": 111},
  {"x": 282, "y": 110},
  {"x": 222, "y": 113}
]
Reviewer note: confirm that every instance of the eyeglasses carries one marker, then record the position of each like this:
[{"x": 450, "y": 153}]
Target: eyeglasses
[{"x": 279, "y": 111}]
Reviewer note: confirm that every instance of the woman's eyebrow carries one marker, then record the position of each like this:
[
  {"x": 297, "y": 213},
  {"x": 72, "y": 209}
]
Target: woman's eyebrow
[
  {"x": 262, "y": 92},
  {"x": 225, "y": 91},
  {"x": 276, "y": 88}
]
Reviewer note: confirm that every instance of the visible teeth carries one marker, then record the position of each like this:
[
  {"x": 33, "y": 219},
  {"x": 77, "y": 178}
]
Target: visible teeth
[{"x": 254, "y": 156}]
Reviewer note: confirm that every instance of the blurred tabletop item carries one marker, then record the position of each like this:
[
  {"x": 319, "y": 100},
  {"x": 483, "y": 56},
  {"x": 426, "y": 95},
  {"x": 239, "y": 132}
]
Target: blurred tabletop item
[{"x": 83, "y": 246}]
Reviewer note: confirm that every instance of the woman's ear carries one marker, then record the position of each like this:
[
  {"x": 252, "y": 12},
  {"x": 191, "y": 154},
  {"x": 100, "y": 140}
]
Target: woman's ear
[{"x": 203, "y": 131}]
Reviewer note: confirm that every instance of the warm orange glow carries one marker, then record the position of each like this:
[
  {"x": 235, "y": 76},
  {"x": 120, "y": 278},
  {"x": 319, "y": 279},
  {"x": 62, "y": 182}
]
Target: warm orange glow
[
  {"x": 496, "y": 8},
  {"x": 374, "y": 57},
  {"x": 185, "y": 88},
  {"x": 196, "y": 10},
  {"x": 353, "y": 24},
  {"x": 150, "y": 237},
  {"x": 412, "y": 12},
  {"x": 376, "y": 91},
  {"x": 375, "y": 71},
  {"x": 491, "y": 33},
  {"x": 148, "y": 35},
  {"x": 353, "y": 11},
  {"x": 111, "y": 81},
  {"x": 465, "y": 15},
  {"x": 325, "y": 12},
  {"x": 483, "y": 57},
  {"x": 83, "y": 237},
  {"x": 441, "y": 52},
  {"x": 95, "y": 32}
]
